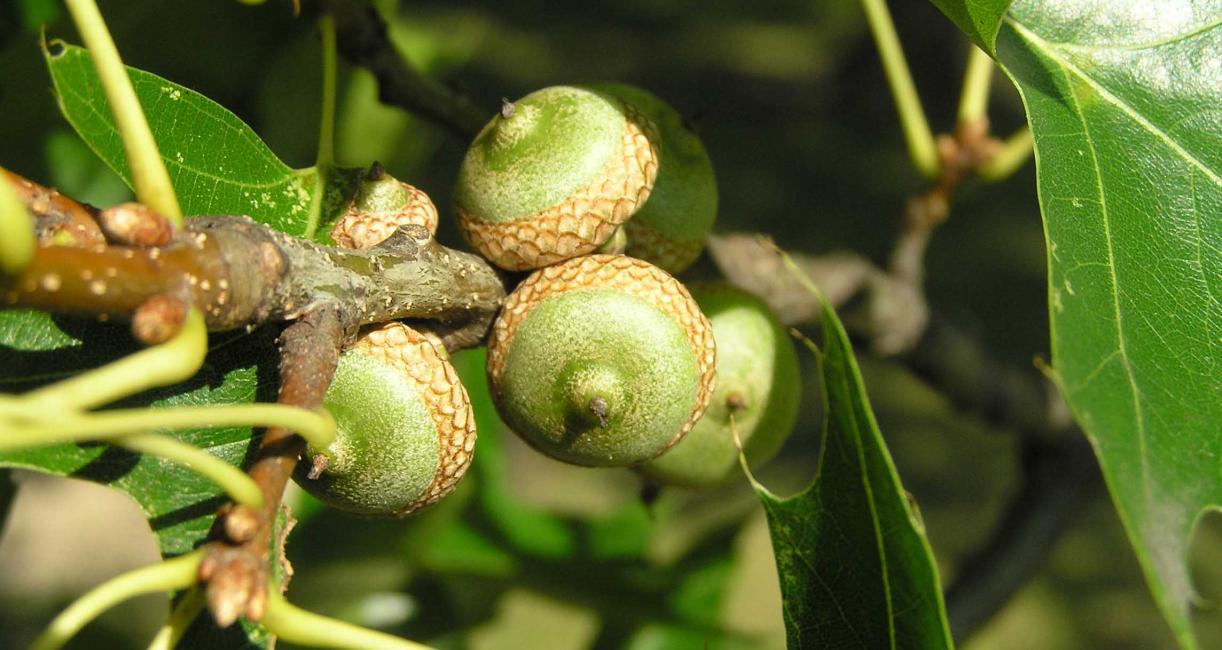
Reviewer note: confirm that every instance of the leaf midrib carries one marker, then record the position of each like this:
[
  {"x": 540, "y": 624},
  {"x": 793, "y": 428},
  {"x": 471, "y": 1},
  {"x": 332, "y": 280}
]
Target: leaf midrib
[
  {"x": 1142, "y": 45},
  {"x": 875, "y": 524},
  {"x": 1050, "y": 50},
  {"x": 1118, "y": 318}
]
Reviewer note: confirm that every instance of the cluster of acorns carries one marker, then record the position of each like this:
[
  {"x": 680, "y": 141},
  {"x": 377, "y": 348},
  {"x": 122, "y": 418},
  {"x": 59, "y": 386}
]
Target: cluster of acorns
[{"x": 597, "y": 358}]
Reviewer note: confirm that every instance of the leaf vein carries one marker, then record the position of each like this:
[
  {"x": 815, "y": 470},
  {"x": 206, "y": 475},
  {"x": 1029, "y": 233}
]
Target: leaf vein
[{"x": 1159, "y": 134}]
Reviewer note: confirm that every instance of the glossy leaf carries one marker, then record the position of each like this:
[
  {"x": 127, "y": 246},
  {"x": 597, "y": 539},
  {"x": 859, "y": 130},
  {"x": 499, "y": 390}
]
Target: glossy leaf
[
  {"x": 856, "y": 570},
  {"x": 218, "y": 166},
  {"x": 216, "y": 162},
  {"x": 1125, "y": 105},
  {"x": 36, "y": 348},
  {"x": 979, "y": 19}
]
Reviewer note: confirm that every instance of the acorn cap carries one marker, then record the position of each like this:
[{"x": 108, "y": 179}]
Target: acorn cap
[
  {"x": 601, "y": 360},
  {"x": 758, "y": 381},
  {"x": 553, "y": 175},
  {"x": 381, "y": 206},
  {"x": 406, "y": 427},
  {"x": 670, "y": 229}
]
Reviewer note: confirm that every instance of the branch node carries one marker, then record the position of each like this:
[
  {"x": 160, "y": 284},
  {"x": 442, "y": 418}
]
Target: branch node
[
  {"x": 135, "y": 224},
  {"x": 240, "y": 524},
  {"x": 159, "y": 318}
]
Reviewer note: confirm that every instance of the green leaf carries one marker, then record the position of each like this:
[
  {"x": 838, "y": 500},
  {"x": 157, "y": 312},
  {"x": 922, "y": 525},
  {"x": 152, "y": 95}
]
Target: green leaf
[
  {"x": 216, "y": 162},
  {"x": 218, "y": 166},
  {"x": 1124, "y": 105},
  {"x": 979, "y": 19},
  {"x": 178, "y": 503},
  {"x": 856, "y": 570}
]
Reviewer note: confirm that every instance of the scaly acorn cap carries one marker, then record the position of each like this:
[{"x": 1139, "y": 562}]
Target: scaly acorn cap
[
  {"x": 382, "y": 204},
  {"x": 405, "y": 427},
  {"x": 670, "y": 229},
  {"x": 758, "y": 381},
  {"x": 601, "y": 360},
  {"x": 553, "y": 175}
]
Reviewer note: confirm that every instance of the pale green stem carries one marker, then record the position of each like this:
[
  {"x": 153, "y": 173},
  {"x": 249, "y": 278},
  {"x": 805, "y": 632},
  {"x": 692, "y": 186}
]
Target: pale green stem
[
  {"x": 16, "y": 231},
  {"x": 318, "y": 429},
  {"x": 170, "y": 575},
  {"x": 320, "y": 187},
  {"x": 149, "y": 176},
  {"x": 168, "y": 363},
  {"x": 974, "y": 100},
  {"x": 188, "y": 607},
  {"x": 295, "y": 625},
  {"x": 240, "y": 487},
  {"x": 1010, "y": 158},
  {"x": 326, "y": 126},
  {"x": 921, "y": 145}
]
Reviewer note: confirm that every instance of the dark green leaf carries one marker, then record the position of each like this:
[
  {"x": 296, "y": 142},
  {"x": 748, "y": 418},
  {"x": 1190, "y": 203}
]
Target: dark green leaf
[
  {"x": 216, "y": 163},
  {"x": 1124, "y": 102},
  {"x": 219, "y": 166},
  {"x": 979, "y": 19},
  {"x": 178, "y": 503},
  {"x": 856, "y": 570}
]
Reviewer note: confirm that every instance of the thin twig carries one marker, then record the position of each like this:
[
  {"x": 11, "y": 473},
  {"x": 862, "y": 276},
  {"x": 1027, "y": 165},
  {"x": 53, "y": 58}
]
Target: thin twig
[
  {"x": 1058, "y": 469},
  {"x": 236, "y": 566},
  {"x": 167, "y": 575},
  {"x": 241, "y": 274},
  {"x": 363, "y": 41},
  {"x": 962, "y": 370},
  {"x": 58, "y": 219},
  {"x": 1009, "y": 158},
  {"x": 296, "y": 625},
  {"x": 1059, "y": 478},
  {"x": 907, "y": 102},
  {"x": 974, "y": 99}
]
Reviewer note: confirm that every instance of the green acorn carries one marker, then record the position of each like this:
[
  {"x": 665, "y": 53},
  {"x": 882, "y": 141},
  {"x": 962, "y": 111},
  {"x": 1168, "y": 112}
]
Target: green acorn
[
  {"x": 670, "y": 229},
  {"x": 553, "y": 175},
  {"x": 758, "y": 382},
  {"x": 405, "y": 428},
  {"x": 382, "y": 205},
  {"x": 601, "y": 360}
]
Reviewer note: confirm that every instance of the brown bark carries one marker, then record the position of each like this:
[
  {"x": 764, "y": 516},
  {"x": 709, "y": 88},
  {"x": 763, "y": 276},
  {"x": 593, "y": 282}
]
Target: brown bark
[
  {"x": 241, "y": 274},
  {"x": 236, "y": 566}
]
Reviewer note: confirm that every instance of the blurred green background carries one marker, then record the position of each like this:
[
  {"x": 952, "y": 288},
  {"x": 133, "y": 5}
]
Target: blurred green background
[{"x": 794, "y": 110}]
